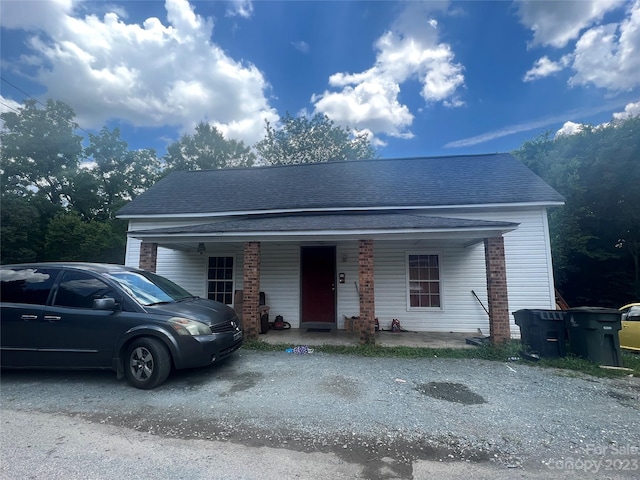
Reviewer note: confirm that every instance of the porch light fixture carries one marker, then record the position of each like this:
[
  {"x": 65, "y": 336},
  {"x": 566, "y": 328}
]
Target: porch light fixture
[{"x": 200, "y": 248}]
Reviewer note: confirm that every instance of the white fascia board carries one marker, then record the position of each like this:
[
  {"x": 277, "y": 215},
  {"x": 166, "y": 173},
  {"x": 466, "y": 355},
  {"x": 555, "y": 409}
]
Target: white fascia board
[
  {"x": 344, "y": 209},
  {"x": 469, "y": 233}
]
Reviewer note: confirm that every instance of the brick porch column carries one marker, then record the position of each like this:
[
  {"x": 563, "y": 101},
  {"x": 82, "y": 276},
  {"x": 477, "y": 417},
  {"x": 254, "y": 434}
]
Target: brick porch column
[
  {"x": 251, "y": 290},
  {"x": 148, "y": 256},
  {"x": 499, "y": 330},
  {"x": 365, "y": 325}
]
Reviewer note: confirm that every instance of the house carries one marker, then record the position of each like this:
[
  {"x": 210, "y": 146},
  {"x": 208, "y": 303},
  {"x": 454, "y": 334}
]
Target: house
[{"x": 440, "y": 243}]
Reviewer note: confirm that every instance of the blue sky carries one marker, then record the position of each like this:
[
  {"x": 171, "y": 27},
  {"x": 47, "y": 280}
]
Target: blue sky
[{"x": 421, "y": 78}]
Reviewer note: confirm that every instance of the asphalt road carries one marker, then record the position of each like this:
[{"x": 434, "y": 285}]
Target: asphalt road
[{"x": 274, "y": 415}]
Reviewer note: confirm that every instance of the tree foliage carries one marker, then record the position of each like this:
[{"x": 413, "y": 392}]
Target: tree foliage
[
  {"x": 58, "y": 199},
  {"x": 40, "y": 150},
  {"x": 23, "y": 223},
  {"x": 596, "y": 235},
  {"x": 207, "y": 149},
  {"x": 115, "y": 175},
  {"x": 69, "y": 238},
  {"x": 311, "y": 140}
]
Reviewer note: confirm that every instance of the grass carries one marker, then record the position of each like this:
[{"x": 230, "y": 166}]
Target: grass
[{"x": 499, "y": 353}]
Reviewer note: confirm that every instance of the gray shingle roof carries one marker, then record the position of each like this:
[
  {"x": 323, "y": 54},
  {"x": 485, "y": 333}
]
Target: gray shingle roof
[
  {"x": 344, "y": 222},
  {"x": 424, "y": 182}
]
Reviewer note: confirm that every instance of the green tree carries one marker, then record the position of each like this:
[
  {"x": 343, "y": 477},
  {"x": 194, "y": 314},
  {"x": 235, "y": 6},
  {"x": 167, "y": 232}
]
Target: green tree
[
  {"x": 311, "y": 140},
  {"x": 596, "y": 235},
  {"x": 23, "y": 223},
  {"x": 39, "y": 153},
  {"x": 113, "y": 176},
  {"x": 54, "y": 207},
  {"x": 69, "y": 238},
  {"x": 207, "y": 149},
  {"x": 39, "y": 150}
]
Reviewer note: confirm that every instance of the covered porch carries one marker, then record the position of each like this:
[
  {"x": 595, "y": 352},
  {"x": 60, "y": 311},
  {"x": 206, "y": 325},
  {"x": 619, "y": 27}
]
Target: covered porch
[{"x": 363, "y": 233}]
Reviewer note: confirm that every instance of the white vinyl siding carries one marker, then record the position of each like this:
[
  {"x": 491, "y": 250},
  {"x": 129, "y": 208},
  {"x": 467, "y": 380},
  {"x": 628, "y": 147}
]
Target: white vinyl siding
[
  {"x": 462, "y": 273},
  {"x": 348, "y": 301},
  {"x": 189, "y": 269},
  {"x": 280, "y": 280},
  {"x": 528, "y": 259}
]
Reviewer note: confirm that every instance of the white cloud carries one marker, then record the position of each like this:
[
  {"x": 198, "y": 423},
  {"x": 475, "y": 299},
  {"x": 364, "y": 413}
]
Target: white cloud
[
  {"x": 42, "y": 15},
  {"x": 376, "y": 142},
  {"x": 410, "y": 50},
  {"x": 371, "y": 105},
  {"x": 608, "y": 56},
  {"x": 556, "y": 23},
  {"x": 543, "y": 68},
  {"x": 605, "y": 56},
  {"x": 630, "y": 110},
  {"x": 570, "y": 128},
  {"x": 150, "y": 75},
  {"x": 301, "y": 46},
  {"x": 8, "y": 105},
  {"x": 240, "y": 8}
]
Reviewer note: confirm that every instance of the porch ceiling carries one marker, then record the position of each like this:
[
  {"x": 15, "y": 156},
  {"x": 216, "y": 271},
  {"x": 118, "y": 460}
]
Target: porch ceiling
[{"x": 318, "y": 227}]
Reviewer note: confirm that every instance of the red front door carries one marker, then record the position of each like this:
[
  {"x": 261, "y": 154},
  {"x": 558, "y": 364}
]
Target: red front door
[{"x": 318, "y": 285}]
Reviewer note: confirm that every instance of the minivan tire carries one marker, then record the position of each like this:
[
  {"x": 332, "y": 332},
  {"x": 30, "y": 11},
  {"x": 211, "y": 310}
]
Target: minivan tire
[{"x": 147, "y": 363}]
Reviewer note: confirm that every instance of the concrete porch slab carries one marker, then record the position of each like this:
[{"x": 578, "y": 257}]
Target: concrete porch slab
[{"x": 294, "y": 336}]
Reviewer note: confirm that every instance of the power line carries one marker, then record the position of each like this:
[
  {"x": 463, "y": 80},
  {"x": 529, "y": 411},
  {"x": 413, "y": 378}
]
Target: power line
[
  {"x": 20, "y": 90},
  {"x": 37, "y": 101},
  {"x": 9, "y": 107}
]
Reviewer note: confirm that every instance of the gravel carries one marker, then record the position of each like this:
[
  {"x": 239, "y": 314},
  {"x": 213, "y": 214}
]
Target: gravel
[{"x": 367, "y": 410}]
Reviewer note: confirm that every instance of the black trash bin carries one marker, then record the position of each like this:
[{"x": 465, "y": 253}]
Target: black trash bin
[
  {"x": 543, "y": 332},
  {"x": 593, "y": 334}
]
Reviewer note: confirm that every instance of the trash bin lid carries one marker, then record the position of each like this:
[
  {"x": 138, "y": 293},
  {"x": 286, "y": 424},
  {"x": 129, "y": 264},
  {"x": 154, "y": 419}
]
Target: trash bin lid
[
  {"x": 592, "y": 316},
  {"x": 612, "y": 311}
]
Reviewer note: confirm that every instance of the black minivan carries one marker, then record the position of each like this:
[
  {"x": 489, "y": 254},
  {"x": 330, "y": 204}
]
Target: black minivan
[{"x": 88, "y": 315}]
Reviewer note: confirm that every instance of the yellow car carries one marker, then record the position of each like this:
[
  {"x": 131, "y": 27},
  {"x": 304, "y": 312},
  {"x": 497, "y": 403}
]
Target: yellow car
[{"x": 630, "y": 332}]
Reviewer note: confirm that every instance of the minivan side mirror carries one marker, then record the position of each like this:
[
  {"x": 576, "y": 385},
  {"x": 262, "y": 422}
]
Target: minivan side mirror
[{"x": 104, "y": 303}]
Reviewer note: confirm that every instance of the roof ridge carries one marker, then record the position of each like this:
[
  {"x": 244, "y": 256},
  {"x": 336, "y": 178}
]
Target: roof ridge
[{"x": 338, "y": 162}]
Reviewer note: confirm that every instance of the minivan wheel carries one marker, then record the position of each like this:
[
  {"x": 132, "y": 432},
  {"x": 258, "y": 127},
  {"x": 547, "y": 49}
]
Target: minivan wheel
[{"x": 147, "y": 363}]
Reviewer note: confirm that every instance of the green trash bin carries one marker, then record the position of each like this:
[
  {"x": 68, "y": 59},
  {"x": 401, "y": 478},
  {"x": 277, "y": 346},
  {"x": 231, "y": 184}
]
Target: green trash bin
[
  {"x": 543, "y": 331},
  {"x": 593, "y": 334}
]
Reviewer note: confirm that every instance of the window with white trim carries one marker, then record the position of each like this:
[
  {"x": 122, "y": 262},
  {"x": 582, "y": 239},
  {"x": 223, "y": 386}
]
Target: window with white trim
[
  {"x": 423, "y": 281},
  {"x": 220, "y": 279}
]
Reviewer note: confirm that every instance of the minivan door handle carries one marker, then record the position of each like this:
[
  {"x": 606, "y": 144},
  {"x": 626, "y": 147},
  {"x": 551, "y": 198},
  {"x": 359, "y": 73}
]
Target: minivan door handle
[
  {"x": 52, "y": 318},
  {"x": 28, "y": 318}
]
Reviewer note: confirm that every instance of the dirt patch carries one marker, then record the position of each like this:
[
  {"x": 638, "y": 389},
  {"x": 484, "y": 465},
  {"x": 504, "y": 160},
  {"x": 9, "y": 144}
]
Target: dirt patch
[
  {"x": 243, "y": 381},
  {"x": 451, "y": 392},
  {"x": 624, "y": 399},
  {"x": 341, "y": 386},
  {"x": 382, "y": 458}
]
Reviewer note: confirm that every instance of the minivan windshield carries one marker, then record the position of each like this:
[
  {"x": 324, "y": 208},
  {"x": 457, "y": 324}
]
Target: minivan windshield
[{"x": 148, "y": 288}]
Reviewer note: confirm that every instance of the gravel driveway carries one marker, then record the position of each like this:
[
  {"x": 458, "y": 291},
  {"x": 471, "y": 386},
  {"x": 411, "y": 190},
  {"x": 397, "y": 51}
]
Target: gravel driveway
[{"x": 517, "y": 417}]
